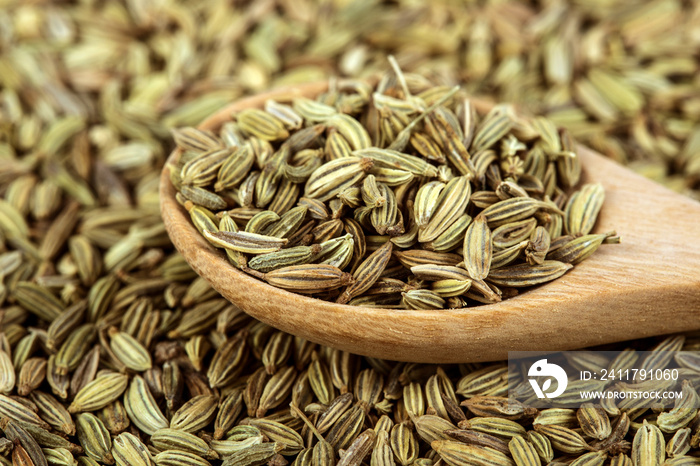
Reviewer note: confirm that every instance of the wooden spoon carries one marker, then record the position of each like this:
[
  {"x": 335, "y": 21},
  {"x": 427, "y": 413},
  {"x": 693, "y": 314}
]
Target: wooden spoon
[{"x": 647, "y": 285}]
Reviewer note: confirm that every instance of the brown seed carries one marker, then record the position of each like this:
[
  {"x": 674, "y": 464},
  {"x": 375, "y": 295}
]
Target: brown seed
[
  {"x": 478, "y": 248},
  {"x": 21, "y": 438},
  {"x": 31, "y": 375},
  {"x": 195, "y": 414},
  {"x": 228, "y": 360},
  {"x": 474, "y": 437},
  {"x": 309, "y": 278},
  {"x": 526, "y": 275},
  {"x": 358, "y": 449},
  {"x": 458, "y": 453},
  {"x": 367, "y": 272}
]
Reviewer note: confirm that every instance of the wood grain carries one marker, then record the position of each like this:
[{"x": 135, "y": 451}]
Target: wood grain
[{"x": 647, "y": 285}]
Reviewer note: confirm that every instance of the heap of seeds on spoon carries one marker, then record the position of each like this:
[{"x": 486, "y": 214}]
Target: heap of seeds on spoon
[{"x": 398, "y": 195}]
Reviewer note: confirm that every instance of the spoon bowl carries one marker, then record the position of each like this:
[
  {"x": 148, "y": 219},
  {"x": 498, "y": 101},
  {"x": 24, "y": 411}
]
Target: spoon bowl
[{"x": 647, "y": 285}]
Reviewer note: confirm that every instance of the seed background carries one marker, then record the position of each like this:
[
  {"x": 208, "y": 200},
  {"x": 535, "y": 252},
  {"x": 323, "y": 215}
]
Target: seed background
[{"x": 88, "y": 93}]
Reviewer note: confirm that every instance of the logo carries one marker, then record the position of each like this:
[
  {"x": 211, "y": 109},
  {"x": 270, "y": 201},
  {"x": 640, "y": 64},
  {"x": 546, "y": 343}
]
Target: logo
[{"x": 541, "y": 369}]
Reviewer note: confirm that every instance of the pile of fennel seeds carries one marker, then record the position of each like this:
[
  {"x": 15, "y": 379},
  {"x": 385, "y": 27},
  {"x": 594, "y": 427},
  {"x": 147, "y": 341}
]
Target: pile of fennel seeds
[{"x": 398, "y": 195}]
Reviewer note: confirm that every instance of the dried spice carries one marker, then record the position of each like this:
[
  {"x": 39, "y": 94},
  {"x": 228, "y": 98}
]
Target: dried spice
[
  {"x": 89, "y": 95},
  {"x": 530, "y": 203}
]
